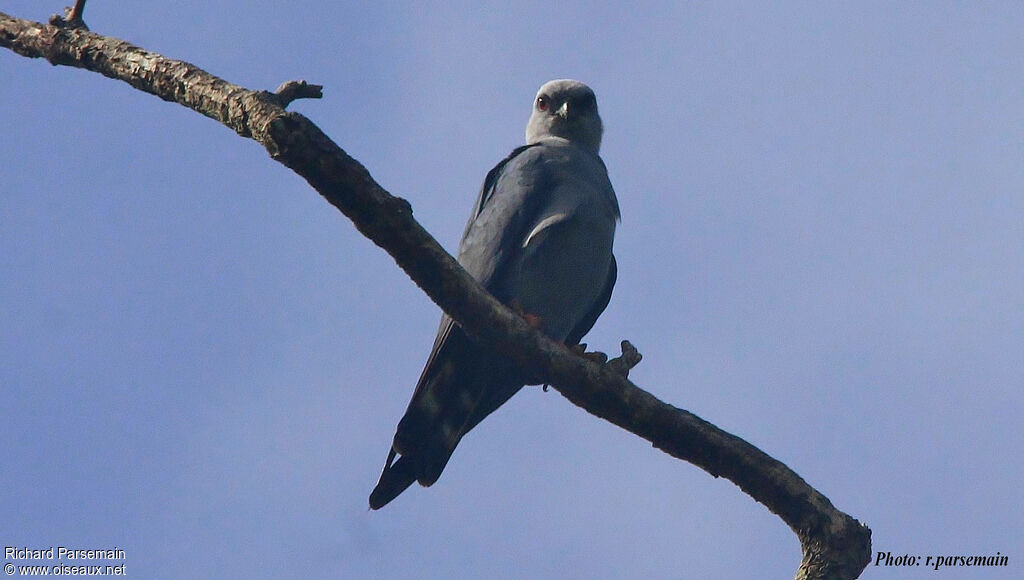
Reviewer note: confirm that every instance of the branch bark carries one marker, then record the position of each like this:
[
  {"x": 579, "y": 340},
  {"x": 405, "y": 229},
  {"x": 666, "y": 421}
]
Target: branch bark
[{"x": 835, "y": 545}]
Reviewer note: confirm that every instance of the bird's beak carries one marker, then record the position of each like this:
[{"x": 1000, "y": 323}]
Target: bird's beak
[{"x": 563, "y": 111}]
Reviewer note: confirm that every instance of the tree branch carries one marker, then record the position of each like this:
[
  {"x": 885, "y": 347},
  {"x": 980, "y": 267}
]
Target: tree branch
[{"x": 834, "y": 544}]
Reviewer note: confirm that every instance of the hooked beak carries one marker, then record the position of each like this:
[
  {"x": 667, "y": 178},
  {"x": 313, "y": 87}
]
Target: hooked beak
[{"x": 563, "y": 111}]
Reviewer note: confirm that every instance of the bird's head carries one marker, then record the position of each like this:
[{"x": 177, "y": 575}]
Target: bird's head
[{"x": 567, "y": 109}]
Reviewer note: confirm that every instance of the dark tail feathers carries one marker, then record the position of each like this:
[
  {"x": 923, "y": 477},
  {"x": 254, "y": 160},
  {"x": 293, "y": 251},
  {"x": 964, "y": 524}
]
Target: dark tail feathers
[{"x": 395, "y": 479}]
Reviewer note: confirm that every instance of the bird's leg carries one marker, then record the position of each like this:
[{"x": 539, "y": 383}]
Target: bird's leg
[
  {"x": 532, "y": 320},
  {"x": 581, "y": 350}
]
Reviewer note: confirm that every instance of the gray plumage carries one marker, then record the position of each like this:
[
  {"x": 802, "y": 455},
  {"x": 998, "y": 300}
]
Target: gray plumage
[{"x": 540, "y": 239}]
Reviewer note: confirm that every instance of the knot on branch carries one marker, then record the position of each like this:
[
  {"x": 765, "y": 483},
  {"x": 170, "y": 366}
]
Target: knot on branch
[
  {"x": 294, "y": 90},
  {"x": 622, "y": 364},
  {"x": 400, "y": 206},
  {"x": 72, "y": 17}
]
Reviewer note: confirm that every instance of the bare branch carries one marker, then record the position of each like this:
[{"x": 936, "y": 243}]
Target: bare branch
[
  {"x": 835, "y": 545},
  {"x": 294, "y": 90}
]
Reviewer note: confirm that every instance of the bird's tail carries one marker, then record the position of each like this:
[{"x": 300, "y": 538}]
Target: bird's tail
[
  {"x": 424, "y": 464},
  {"x": 428, "y": 433},
  {"x": 396, "y": 478},
  {"x": 455, "y": 392}
]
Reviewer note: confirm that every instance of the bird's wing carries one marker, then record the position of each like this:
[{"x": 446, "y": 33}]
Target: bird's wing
[
  {"x": 482, "y": 259},
  {"x": 483, "y": 248},
  {"x": 457, "y": 371},
  {"x": 584, "y": 326},
  {"x": 487, "y": 190},
  {"x": 511, "y": 196}
]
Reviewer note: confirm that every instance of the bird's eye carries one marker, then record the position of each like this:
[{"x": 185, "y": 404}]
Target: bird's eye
[{"x": 542, "y": 103}]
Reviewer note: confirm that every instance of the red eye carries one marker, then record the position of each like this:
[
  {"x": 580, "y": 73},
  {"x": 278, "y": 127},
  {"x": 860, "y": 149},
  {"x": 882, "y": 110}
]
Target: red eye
[{"x": 542, "y": 103}]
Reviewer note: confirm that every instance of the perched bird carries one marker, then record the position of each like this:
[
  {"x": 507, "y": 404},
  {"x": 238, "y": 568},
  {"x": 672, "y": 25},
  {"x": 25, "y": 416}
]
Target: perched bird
[{"x": 539, "y": 239}]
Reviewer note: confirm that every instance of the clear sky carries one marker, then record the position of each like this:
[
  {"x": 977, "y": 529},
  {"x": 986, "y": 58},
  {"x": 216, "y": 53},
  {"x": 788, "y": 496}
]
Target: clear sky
[{"x": 821, "y": 251}]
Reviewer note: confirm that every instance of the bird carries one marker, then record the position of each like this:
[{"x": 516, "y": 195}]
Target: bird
[{"x": 540, "y": 240}]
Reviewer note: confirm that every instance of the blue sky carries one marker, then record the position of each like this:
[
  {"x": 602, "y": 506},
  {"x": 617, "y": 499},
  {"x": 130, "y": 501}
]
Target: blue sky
[{"x": 821, "y": 251}]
